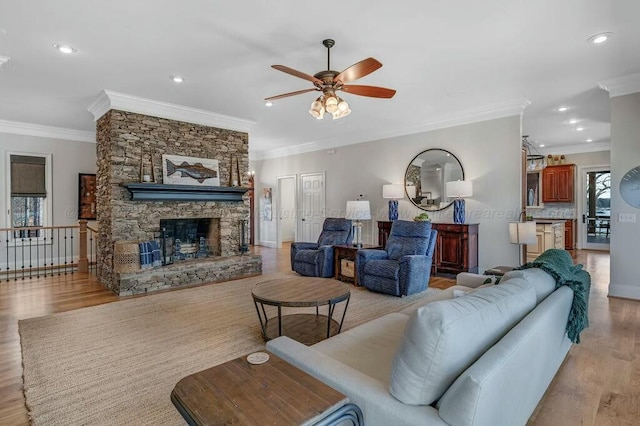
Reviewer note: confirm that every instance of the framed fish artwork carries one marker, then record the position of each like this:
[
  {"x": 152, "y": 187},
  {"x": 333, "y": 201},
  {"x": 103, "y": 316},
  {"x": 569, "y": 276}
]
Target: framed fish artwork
[{"x": 180, "y": 170}]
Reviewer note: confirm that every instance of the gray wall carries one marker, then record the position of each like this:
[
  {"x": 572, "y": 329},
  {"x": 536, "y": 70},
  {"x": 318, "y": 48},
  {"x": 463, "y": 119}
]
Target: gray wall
[
  {"x": 490, "y": 155},
  {"x": 625, "y": 154}
]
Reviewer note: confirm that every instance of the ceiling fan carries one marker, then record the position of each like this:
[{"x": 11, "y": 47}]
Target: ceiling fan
[{"x": 329, "y": 82}]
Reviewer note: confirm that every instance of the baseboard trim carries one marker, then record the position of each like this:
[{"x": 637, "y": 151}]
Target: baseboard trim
[
  {"x": 625, "y": 291},
  {"x": 270, "y": 244}
]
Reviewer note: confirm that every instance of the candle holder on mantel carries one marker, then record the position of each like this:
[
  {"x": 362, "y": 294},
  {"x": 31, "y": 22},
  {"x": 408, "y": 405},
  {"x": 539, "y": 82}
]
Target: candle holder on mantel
[{"x": 151, "y": 176}]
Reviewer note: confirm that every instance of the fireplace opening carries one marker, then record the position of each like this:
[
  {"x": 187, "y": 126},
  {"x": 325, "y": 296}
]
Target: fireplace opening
[{"x": 183, "y": 239}]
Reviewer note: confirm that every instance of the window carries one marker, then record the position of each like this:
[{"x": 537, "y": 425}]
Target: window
[{"x": 29, "y": 192}]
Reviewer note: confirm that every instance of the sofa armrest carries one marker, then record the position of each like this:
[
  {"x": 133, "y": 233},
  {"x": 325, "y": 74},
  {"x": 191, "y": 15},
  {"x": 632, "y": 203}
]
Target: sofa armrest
[
  {"x": 325, "y": 261},
  {"x": 469, "y": 279},
  {"x": 378, "y": 406},
  {"x": 300, "y": 245},
  {"x": 414, "y": 273}
]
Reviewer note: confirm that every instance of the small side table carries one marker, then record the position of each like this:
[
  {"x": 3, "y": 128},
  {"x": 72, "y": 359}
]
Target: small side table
[
  {"x": 344, "y": 257},
  {"x": 498, "y": 271},
  {"x": 275, "y": 392}
]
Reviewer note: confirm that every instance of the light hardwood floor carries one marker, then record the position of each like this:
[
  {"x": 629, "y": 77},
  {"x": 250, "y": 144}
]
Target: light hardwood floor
[{"x": 598, "y": 384}]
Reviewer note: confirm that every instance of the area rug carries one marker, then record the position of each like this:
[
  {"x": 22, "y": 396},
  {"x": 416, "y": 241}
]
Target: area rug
[{"x": 116, "y": 364}]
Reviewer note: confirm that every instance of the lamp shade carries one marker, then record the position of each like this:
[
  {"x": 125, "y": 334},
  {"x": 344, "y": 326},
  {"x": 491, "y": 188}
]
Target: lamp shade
[
  {"x": 459, "y": 189},
  {"x": 394, "y": 191},
  {"x": 522, "y": 233},
  {"x": 358, "y": 210}
]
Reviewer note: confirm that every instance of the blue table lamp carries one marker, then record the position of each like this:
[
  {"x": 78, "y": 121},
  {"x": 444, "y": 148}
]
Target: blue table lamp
[
  {"x": 459, "y": 189},
  {"x": 393, "y": 192}
]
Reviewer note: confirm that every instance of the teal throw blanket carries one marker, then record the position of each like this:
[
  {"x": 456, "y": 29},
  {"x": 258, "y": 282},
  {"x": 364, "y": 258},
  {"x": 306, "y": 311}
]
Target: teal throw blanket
[{"x": 559, "y": 265}]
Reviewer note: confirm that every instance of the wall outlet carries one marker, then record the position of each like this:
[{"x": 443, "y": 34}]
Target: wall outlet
[{"x": 627, "y": 217}]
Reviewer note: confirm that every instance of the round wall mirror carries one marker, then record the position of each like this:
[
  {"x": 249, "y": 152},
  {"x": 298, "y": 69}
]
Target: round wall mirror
[{"x": 426, "y": 178}]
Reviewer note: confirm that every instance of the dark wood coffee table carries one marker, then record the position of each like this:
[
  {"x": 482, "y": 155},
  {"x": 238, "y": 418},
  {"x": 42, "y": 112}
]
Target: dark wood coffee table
[
  {"x": 298, "y": 292},
  {"x": 273, "y": 393}
]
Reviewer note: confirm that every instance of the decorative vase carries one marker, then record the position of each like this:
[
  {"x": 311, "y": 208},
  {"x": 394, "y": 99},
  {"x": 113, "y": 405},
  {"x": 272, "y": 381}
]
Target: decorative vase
[
  {"x": 393, "y": 210},
  {"x": 458, "y": 210}
]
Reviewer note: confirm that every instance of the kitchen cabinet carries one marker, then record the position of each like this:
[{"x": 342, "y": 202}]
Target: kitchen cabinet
[
  {"x": 456, "y": 248},
  {"x": 570, "y": 234},
  {"x": 548, "y": 235},
  {"x": 558, "y": 183}
]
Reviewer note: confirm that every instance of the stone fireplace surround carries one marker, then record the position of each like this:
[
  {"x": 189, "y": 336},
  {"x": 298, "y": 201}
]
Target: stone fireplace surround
[{"x": 122, "y": 138}]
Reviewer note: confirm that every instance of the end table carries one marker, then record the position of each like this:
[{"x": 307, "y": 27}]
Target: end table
[{"x": 345, "y": 262}]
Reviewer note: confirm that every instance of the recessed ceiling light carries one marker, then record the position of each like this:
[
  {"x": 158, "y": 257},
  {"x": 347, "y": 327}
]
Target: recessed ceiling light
[
  {"x": 589, "y": 140},
  {"x": 579, "y": 129},
  {"x": 541, "y": 145},
  {"x": 176, "y": 78},
  {"x": 573, "y": 121},
  {"x": 599, "y": 38},
  {"x": 268, "y": 103},
  {"x": 563, "y": 108},
  {"x": 65, "y": 48}
]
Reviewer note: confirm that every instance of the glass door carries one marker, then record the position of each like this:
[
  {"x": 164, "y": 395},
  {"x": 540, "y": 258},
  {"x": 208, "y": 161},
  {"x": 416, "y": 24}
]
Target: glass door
[{"x": 596, "y": 210}]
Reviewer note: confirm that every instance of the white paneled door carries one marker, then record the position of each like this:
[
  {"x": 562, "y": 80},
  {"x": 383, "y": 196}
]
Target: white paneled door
[{"x": 312, "y": 208}]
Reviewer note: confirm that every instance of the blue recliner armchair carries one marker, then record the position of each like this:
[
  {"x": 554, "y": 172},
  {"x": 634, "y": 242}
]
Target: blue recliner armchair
[
  {"x": 316, "y": 259},
  {"x": 404, "y": 266}
]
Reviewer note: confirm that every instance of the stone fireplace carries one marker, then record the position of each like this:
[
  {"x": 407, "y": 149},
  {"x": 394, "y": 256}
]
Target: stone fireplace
[{"x": 127, "y": 142}]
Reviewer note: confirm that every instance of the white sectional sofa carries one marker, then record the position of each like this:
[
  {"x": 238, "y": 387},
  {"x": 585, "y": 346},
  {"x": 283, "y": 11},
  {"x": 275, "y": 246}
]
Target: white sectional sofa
[{"x": 483, "y": 359}]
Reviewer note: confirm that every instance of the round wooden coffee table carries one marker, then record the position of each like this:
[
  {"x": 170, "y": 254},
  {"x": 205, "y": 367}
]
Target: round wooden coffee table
[{"x": 299, "y": 292}]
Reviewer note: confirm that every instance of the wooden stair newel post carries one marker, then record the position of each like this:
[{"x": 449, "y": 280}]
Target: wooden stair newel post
[{"x": 83, "y": 261}]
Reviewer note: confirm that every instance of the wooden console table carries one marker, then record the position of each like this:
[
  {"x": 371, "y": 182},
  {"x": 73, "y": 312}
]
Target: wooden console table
[
  {"x": 276, "y": 392},
  {"x": 384, "y": 229},
  {"x": 456, "y": 248},
  {"x": 344, "y": 257}
]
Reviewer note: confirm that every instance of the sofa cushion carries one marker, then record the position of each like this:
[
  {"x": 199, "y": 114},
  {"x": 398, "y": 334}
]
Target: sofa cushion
[
  {"x": 443, "y": 338},
  {"x": 368, "y": 348},
  {"x": 542, "y": 283}
]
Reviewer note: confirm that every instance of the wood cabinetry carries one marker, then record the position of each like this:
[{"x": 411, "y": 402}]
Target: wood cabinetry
[
  {"x": 558, "y": 183},
  {"x": 570, "y": 234},
  {"x": 384, "y": 228},
  {"x": 456, "y": 248},
  {"x": 548, "y": 235}
]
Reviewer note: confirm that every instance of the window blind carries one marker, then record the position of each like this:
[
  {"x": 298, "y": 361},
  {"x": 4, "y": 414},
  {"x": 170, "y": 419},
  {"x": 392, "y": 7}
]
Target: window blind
[{"x": 28, "y": 176}]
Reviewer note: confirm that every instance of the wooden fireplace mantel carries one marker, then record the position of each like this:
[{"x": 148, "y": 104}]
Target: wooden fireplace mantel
[{"x": 162, "y": 192}]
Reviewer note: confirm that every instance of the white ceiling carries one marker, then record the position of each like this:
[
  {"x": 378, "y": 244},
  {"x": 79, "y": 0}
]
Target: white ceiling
[{"x": 442, "y": 57}]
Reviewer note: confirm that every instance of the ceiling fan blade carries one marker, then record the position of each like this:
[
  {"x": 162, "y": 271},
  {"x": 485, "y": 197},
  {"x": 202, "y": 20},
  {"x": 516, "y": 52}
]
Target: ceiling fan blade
[
  {"x": 371, "y": 91},
  {"x": 358, "y": 70},
  {"x": 297, "y": 73},
  {"x": 285, "y": 95}
]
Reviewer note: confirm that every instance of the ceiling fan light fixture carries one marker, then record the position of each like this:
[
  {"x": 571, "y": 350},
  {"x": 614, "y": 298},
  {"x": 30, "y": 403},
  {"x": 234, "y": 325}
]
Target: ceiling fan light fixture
[
  {"x": 317, "y": 108},
  {"x": 343, "y": 105},
  {"x": 331, "y": 104}
]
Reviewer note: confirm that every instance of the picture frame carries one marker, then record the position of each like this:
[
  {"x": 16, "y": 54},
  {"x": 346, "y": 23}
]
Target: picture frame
[
  {"x": 87, "y": 196},
  {"x": 181, "y": 170},
  {"x": 266, "y": 204}
]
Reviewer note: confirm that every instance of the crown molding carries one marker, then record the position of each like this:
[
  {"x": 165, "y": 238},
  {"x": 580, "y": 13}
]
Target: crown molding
[
  {"x": 3, "y": 59},
  {"x": 473, "y": 115},
  {"x": 19, "y": 128},
  {"x": 578, "y": 148},
  {"x": 108, "y": 100},
  {"x": 622, "y": 85}
]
